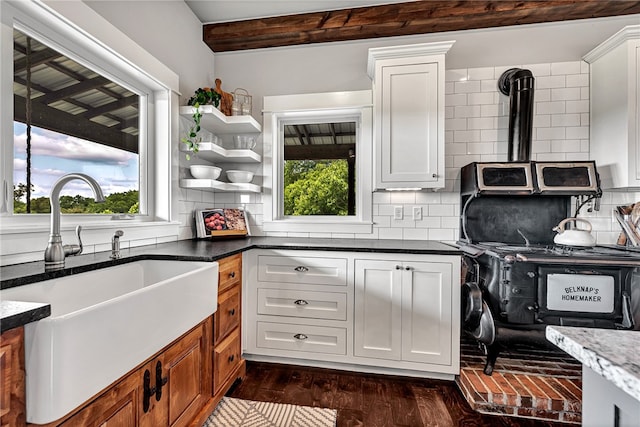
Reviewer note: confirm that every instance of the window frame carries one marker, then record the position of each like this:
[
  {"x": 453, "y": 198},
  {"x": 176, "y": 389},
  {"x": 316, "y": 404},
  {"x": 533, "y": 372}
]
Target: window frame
[
  {"x": 316, "y": 108},
  {"x": 73, "y": 29},
  {"x": 50, "y": 28}
]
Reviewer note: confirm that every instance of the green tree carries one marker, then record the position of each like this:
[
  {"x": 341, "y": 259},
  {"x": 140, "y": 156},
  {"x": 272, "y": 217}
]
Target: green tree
[
  {"x": 125, "y": 202},
  {"x": 315, "y": 187}
]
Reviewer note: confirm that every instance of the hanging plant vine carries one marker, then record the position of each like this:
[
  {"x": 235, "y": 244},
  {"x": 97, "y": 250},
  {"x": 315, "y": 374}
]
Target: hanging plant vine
[{"x": 202, "y": 96}]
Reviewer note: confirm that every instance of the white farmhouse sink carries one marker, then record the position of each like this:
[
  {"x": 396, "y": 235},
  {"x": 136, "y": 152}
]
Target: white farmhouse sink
[{"x": 104, "y": 323}]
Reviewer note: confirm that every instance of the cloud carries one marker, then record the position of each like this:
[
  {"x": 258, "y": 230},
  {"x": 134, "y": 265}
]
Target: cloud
[{"x": 48, "y": 143}]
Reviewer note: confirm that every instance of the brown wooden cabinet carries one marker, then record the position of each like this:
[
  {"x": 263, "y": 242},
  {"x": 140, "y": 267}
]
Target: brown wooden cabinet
[
  {"x": 12, "y": 386},
  {"x": 180, "y": 372},
  {"x": 228, "y": 363}
]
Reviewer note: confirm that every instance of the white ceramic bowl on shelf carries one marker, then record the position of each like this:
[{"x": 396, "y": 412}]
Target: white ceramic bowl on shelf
[
  {"x": 204, "y": 171},
  {"x": 239, "y": 177}
]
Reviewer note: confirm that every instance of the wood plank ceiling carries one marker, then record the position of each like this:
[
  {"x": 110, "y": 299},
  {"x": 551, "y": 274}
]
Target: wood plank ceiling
[{"x": 401, "y": 19}]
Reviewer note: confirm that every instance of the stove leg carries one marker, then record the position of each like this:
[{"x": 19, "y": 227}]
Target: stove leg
[{"x": 492, "y": 352}]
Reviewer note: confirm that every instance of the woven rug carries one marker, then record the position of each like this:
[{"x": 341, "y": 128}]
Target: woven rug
[{"x": 233, "y": 412}]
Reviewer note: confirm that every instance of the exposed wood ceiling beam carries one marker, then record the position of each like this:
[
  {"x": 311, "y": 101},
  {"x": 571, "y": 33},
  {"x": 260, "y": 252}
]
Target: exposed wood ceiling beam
[
  {"x": 112, "y": 106},
  {"x": 418, "y": 17},
  {"x": 317, "y": 152},
  {"x": 50, "y": 118},
  {"x": 37, "y": 58}
]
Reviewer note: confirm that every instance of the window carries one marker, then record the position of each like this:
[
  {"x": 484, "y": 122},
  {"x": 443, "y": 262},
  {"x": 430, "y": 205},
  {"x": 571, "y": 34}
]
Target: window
[
  {"x": 68, "y": 118},
  {"x": 319, "y": 169},
  {"x": 82, "y": 65},
  {"x": 320, "y": 165}
]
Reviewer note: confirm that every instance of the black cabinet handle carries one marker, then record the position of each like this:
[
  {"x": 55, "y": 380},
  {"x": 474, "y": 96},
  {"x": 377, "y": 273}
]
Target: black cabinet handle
[
  {"x": 232, "y": 312},
  {"x": 301, "y": 269},
  {"x": 148, "y": 391},
  {"x": 232, "y": 274},
  {"x": 408, "y": 268},
  {"x": 231, "y": 358},
  {"x": 301, "y": 302},
  {"x": 160, "y": 382},
  {"x": 398, "y": 267},
  {"x": 300, "y": 337}
]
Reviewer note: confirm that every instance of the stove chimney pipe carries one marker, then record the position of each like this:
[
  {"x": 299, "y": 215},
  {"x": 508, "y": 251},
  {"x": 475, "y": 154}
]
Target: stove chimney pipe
[{"x": 517, "y": 83}]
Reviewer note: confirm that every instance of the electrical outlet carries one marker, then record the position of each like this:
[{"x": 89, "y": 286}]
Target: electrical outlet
[
  {"x": 397, "y": 212},
  {"x": 417, "y": 213}
]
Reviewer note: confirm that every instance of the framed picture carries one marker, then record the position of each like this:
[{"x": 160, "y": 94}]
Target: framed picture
[{"x": 221, "y": 223}]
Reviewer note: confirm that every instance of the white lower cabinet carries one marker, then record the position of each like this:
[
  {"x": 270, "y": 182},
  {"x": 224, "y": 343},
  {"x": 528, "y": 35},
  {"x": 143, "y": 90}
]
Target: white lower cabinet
[
  {"x": 380, "y": 312},
  {"x": 404, "y": 310}
]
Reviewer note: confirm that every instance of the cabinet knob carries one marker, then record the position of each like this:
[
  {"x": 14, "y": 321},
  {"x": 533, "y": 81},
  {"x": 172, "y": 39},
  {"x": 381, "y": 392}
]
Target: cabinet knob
[
  {"x": 232, "y": 274},
  {"x": 232, "y": 312},
  {"x": 408, "y": 267},
  {"x": 398, "y": 267},
  {"x": 301, "y": 269},
  {"x": 435, "y": 175},
  {"x": 300, "y": 302},
  {"x": 231, "y": 358},
  {"x": 300, "y": 337}
]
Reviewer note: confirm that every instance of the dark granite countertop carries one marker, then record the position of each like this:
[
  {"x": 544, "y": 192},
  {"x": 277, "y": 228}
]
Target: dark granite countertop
[
  {"x": 200, "y": 250},
  {"x": 18, "y": 313}
]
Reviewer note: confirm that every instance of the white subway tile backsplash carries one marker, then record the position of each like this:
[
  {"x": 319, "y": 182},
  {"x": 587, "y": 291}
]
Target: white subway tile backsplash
[
  {"x": 578, "y": 80},
  {"x": 566, "y": 94},
  {"x": 558, "y": 120},
  {"x": 547, "y": 82},
  {"x": 483, "y": 73},
  {"x": 475, "y": 130},
  {"x": 578, "y": 132},
  {"x": 481, "y": 98},
  {"x": 468, "y": 86},
  {"x": 572, "y": 67},
  {"x": 456, "y": 75},
  {"x": 581, "y": 106},
  {"x": 549, "y": 108}
]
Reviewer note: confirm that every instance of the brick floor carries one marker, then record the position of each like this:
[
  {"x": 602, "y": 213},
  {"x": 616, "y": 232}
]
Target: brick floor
[{"x": 530, "y": 382}]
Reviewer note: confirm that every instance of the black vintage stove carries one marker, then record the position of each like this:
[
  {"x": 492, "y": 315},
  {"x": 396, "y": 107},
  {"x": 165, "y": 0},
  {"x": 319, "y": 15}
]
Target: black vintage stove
[{"x": 517, "y": 281}]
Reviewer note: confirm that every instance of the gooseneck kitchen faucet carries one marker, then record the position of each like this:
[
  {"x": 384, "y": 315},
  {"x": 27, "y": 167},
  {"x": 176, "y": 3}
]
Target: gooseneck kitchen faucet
[{"x": 55, "y": 253}]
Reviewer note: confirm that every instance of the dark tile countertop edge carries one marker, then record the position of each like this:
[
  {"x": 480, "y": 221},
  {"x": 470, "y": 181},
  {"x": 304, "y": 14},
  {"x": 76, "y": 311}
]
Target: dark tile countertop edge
[
  {"x": 18, "y": 313},
  {"x": 197, "y": 250}
]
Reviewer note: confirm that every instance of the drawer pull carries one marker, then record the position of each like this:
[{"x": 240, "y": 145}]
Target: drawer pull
[
  {"x": 408, "y": 268},
  {"x": 301, "y": 302},
  {"x": 231, "y": 358},
  {"x": 398, "y": 267},
  {"x": 301, "y": 269},
  {"x": 232, "y": 312},
  {"x": 232, "y": 274},
  {"x": 300, "y": 337}
]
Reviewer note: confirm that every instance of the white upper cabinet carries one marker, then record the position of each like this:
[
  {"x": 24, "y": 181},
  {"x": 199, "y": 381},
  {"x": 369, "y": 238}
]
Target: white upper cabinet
[
  {"x": 615, "y": 107},
  {"x": 408, "y": 87}
]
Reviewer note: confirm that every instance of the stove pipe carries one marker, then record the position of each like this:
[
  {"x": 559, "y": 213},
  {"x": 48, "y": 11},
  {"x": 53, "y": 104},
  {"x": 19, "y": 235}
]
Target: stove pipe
[{"x": 517, "y": 83}]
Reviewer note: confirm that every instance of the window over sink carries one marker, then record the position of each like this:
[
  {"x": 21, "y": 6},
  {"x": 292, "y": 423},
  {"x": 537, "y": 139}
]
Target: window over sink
[{"x": 317, "y": 162}]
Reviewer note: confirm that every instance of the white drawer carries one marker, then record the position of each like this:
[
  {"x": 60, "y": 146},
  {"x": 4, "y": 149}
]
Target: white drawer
[
  {"x": 312, "y": 339},
  {"x": 308, "y": 304},
  {"x": 305, "y": 270}
]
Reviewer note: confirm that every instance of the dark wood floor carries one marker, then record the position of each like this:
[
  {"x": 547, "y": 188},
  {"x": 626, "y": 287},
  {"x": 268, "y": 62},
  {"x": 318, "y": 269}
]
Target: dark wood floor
[{"x": 369, "y": 400}]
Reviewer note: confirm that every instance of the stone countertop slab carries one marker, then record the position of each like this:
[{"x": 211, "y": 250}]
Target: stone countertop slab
[
  {"x": 188, "y": 250},
  {"x": 18, "y": 313},
  {"x": 614, "y": 354}
]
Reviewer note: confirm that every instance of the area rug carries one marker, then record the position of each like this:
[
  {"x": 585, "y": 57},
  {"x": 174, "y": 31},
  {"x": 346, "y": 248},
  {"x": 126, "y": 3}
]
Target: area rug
[{"x": 233, "y": 412}]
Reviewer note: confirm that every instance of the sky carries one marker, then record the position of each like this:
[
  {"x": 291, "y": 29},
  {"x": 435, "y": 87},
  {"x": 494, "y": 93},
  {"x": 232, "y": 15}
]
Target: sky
[{"x": 54, "y": 155}]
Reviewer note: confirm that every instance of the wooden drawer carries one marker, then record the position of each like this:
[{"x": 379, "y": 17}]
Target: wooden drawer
[
  {"x": 227, "y": 316},
  {"x": 302, "y": 270},
  {"x": 308, "y": 304},
  {"x": 305, "y": 338},
  {"x": 226, "y": 357},
  {"x": 229, "y": 272}
]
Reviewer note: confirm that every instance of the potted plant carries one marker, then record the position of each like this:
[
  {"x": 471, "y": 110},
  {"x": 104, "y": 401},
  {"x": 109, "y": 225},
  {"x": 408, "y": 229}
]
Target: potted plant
[{"x": 202, "y": 96}]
